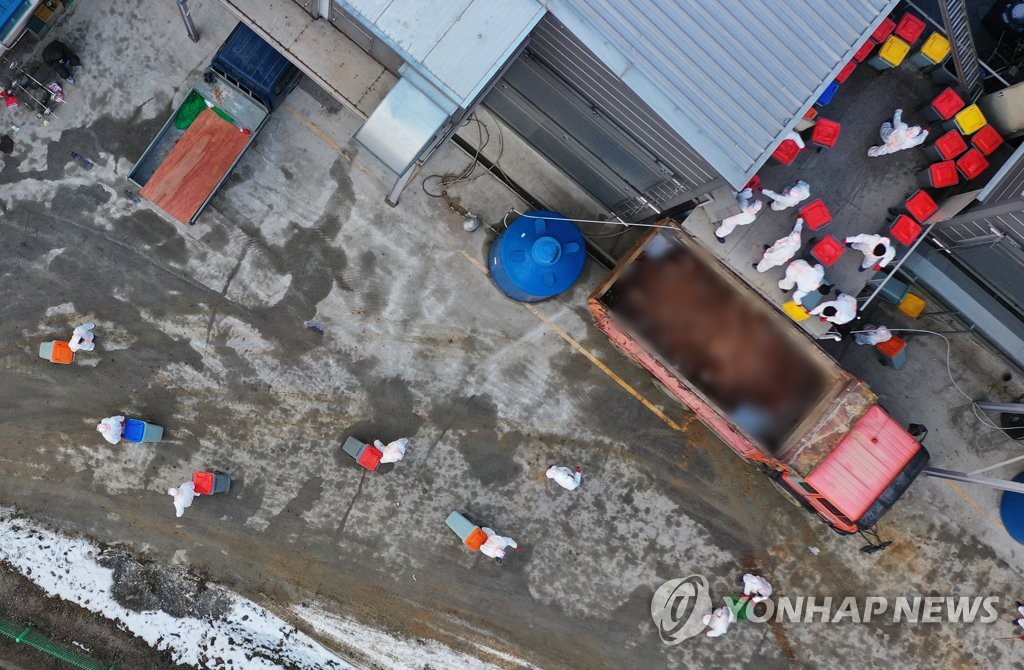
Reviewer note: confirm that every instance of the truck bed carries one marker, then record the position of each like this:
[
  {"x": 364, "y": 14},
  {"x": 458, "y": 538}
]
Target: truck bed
[
  {"x": 196, "y": 166},
  {"x": 722, "y": 346},
  {"x": 246, "y": 112}
]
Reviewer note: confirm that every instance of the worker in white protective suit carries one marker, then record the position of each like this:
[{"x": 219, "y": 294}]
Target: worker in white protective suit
[
  {"x": 564, "y": 477},
  {"x": 839, "y": 311},
  {"x": 872, "y": 335},
  {"x": 877, "y": 250},
  {"x": 748, "y": 213},
  {"x": 782, "y": 250},
  {"x": 757, "y": 589},
  {"x": 718, "y": 621},
  {"x": 897, "y": 136},
  {"x": 393, "y": 451},
  {"x": 495, "y": 545},
  {"x": 111, "y": 428},
  {"x": 82, "y": 338},
  {"x": 804, "y": 276},
  {"x": 183, "y": 496},
  {"x": 791, "y": 196}
]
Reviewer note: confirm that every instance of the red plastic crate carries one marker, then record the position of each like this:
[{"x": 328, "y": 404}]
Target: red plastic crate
[
  {"x": 787, "y": 152},
  {"x": 910, "y": 28},
  {"x": 815, "y": 214},
  {"x": 371, "y": 458},
  {"x": 883, "y": 30},
  {"x": 921, "y": 206},
  {"x": 941, "y": 175},
  {"x": 865, "y": 51},
  {"x": 987, "y": 140},
  {"x": 905, "y": 230},
  {"x": 828, "y": 251},
  {"x": 950, "y": 145},
  {"x": 203, "y": 481},
  {"x": 826, "y": 133},
  {"x": 947, "y": 104},
  {"x": 847, "y": 70},
  {"x": 972, "y": 164}
]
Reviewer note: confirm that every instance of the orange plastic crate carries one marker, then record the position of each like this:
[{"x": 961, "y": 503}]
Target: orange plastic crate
[
  {"x": 62, "y": 353},
  {"x": 892, "y": 347}
]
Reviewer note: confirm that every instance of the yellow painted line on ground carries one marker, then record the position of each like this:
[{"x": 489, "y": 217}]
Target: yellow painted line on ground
[
  {"x": 316, "y": 130},
  {"x": 586, "y": 353},
  {"x": 969, "y": 499}
]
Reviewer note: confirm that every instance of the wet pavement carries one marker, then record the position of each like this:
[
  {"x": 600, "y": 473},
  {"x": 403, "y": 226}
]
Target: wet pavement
[{"x": 203, "y": 330}]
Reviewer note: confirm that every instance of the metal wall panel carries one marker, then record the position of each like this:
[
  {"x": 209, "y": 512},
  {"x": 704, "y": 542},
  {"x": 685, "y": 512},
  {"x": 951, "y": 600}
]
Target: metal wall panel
[{"x": 579, "y": 114}]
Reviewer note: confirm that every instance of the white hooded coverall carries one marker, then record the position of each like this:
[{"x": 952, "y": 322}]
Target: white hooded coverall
[
  {"x": 82, "y": 337},
  {"x": 393, "y": 451},
  {"x": 495, "y": 544},
  {"x": 897, "y": 136},
  {"x": 782, "y": 250},
  {"x": 111, "y": 428},
  {"x": 756, "y": 587},
  {"x": 866, "y": 245},
  {"x": 804, "y": 276},
  {"x": 790, "y": 197},
  {"x": 183, "y": 496},
  {"x": 747, "y": 215},
  {"x": 873, "y": 335},
  {"x": 718, "y": 621},
  {"x": 564, "y": 477},
  {"x": 846, "y": 309}
]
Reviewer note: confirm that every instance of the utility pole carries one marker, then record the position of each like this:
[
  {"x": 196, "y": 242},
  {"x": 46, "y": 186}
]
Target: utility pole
[{"x": 186, "y": 16}]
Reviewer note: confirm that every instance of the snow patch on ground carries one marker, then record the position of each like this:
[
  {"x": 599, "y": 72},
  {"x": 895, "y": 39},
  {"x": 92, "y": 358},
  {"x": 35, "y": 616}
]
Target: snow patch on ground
[
  {"x": 63, "y": 308},
  {"x": 248, "y": 636},
  {"x": 383, "y": 651}
]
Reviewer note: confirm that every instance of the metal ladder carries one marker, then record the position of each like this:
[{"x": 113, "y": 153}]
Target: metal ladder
[{"x": 965, "y": 56}]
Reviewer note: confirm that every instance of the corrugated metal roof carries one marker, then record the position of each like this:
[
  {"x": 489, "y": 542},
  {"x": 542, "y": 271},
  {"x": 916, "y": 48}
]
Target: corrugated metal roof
[
  {"x": 730, "y": 76},
  {"x": 461, "y": 44}
]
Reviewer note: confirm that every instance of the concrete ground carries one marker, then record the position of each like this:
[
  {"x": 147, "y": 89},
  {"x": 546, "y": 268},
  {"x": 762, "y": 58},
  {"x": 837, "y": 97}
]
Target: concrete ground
[{"x": 202, "y": 329}]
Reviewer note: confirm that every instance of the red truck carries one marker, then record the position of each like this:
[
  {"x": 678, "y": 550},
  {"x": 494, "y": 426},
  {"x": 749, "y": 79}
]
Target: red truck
[{"x": 757, "y": 379}]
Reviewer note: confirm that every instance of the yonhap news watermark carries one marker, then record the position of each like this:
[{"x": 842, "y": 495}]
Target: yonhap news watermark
[{"x": 680, "y": 607}]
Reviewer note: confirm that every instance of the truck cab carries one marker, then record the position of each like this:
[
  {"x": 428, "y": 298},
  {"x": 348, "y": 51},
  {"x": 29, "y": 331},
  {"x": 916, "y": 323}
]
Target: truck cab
[
  {"x": 14, "y": 18},
  {"x": 255, "y": 67}
]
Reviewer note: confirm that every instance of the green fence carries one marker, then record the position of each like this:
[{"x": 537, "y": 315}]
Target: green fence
[{"x": 25, "y": 635}]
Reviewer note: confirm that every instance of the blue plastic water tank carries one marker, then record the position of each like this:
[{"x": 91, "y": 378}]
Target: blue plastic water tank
[
  {"x": 1011, "y": 509},
  {"x": 540, "y": 255}
]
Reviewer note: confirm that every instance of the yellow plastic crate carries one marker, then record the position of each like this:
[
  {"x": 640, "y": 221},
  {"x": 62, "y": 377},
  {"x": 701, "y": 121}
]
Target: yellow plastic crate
[
  {"x": 935, "y": 48},
  {"x": 912, "y": 305},
  {"x": 893, "y": 51},
  {"x": 795, "y": 311},
  {"x": 970, "y": 120}
]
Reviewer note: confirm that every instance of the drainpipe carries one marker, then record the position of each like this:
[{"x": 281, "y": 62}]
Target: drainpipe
[{"x": 323, "y": 8}]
